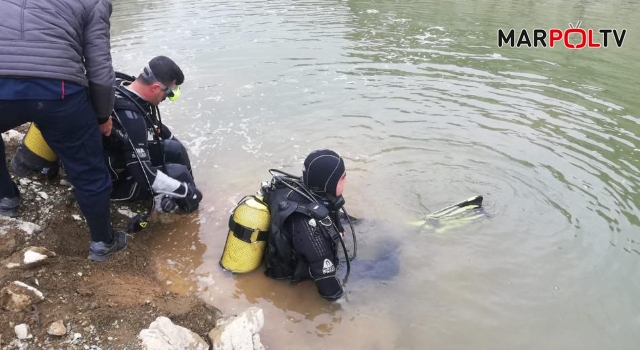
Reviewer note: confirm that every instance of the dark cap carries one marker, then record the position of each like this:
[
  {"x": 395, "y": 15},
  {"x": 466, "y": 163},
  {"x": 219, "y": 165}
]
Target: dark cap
[
  {"x": 322, "y": 171},
  {"x": 164, "y": 70}
]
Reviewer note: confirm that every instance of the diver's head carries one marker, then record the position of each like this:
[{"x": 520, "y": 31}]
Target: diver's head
[
  {"x": 160, "y": 78},
  {"x": 324, "y": 173}
]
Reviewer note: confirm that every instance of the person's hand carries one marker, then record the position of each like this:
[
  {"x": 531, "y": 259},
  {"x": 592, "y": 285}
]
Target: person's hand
[
  {"x": 192, "y": 200},
  {"x": 105, "y": 128}
]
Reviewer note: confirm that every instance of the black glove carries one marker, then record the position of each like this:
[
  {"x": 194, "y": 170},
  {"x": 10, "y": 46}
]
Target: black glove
[
  {"x": 164, "y": 203},
  {"x": 191, "y": 201},
  {"x": 323, "y": 272}
]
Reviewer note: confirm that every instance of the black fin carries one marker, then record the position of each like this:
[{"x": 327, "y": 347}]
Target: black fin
[{"x": 477, "y": 201}]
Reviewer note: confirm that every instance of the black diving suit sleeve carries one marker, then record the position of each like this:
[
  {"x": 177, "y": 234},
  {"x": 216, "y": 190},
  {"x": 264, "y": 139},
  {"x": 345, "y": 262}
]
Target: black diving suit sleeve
[
  {"x": 317, "y": 250},
  {"x": 137, "y": 157}
]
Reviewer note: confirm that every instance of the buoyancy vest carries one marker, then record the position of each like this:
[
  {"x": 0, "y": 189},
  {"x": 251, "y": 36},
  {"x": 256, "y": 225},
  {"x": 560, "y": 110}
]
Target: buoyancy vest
[
  {"x": 113, "y": 145},
  {"x": 281, "y": 259}
]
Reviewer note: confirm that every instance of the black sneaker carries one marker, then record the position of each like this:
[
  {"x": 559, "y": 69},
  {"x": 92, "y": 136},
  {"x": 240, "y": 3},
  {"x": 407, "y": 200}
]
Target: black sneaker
[
  {"x": 100, "y": 251},
  {"x": 9, "y": 205}
]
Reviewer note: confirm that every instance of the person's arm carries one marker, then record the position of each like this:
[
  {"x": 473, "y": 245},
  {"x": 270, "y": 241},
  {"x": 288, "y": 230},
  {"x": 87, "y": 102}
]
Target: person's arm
[
  {"x": 317, "y": 250},
  {"x": 97, "y": 59}
]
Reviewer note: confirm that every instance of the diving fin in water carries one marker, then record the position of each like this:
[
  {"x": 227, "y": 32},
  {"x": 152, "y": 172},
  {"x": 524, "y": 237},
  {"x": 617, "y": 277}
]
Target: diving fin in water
[
  {"x": 453, "y": 216},
  {"x": 471, "y": 203}
]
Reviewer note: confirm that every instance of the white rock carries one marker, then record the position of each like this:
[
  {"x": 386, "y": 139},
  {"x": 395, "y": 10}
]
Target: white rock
[
  {"x": 164, "y": 335},
  {"x": 43, "y": 195},
  {"x": 257, "y": 345},
  {"x": 36, "y": 254},
  {"x": 22, "y": 331},
  {"x": 126, "y": 212},
  {"x": 29, "y": 257},
  {"x": 76, "y": 217},
  {"x": 28, "y": 228},
  {"x": 12, "y": 135},
  {"x": 239, "y": 333},
  {"x": 35, "y": 291},
  {"x": 76, "y": 337},
  {"x": 18, "y": 296},
  {"x": 24, "y": 181},
  {"x": 57, "y": 328},
  {"x": 18, "y": 345}
]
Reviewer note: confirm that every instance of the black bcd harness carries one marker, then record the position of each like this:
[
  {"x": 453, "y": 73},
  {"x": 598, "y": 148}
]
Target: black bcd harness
[
  {"x": 280, "y": 257},
  {"x": 124, "y": 101}
]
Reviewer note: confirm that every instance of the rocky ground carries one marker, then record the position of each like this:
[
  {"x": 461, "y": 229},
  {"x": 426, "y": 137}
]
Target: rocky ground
[{"x": 91, "y": 305}]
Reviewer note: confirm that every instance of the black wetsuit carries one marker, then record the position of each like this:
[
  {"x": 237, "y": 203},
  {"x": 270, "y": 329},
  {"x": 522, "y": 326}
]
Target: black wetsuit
[
  {"x": 302, "y": 246},
  {"x": 156, "y": 148}
]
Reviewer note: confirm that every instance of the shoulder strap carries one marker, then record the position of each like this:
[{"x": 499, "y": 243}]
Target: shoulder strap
[{"x": 125, "y": 101}]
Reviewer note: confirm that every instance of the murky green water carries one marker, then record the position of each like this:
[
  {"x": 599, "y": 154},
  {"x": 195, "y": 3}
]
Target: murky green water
[{"x": 427, "y": 110}]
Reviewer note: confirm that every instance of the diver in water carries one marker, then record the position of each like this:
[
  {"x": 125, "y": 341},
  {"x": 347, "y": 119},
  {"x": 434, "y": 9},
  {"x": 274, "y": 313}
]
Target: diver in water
[
  {"x": 305, "y": 229},
  {"x": 305, "y": 224},
  {"x": 141, "y": 167}
]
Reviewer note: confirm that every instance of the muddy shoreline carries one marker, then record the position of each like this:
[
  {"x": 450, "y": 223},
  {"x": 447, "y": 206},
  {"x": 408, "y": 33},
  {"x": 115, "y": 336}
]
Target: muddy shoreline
[{"x": 101, "y": 305}]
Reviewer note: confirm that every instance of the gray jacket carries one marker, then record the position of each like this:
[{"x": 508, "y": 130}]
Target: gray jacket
[{"x": 61, "y": 39}]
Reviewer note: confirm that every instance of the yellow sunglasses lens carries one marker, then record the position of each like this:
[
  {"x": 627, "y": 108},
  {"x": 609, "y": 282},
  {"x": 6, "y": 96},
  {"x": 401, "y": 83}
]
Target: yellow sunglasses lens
[{"x": 175, "y": 93}]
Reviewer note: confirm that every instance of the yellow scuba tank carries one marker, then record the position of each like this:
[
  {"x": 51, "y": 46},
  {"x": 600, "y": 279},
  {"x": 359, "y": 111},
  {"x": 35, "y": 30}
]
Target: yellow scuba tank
[
  {"x": 33, "y": 154},
  {"x": 247, "y": 238}
]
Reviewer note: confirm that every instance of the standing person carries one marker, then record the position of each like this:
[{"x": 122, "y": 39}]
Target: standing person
[
  {"x": 141, "y": 167},
  {"x": 56, "y": 71}
]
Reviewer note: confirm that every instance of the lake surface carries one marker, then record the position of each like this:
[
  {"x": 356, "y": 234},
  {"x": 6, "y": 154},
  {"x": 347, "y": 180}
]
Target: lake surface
[{"x": 427, "y": 110}]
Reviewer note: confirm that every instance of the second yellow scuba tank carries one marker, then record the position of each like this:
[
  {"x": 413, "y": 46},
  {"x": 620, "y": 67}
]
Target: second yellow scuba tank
[
  {"x": 33, "y": 154},
  {"x": 247, "y": 237}
]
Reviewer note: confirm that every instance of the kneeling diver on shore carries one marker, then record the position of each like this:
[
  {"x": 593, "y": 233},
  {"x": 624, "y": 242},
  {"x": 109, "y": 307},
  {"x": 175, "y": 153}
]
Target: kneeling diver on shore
[{"x": 142, "y": 168}]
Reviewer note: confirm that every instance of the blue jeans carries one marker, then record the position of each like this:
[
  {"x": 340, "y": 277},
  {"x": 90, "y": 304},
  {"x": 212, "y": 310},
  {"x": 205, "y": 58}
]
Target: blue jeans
[{"x": 70, "y": 128}]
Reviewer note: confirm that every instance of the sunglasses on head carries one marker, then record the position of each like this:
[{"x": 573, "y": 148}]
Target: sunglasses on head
[{"x": 171, "y": 93}]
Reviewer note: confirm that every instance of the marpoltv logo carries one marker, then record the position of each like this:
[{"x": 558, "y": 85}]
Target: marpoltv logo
[{"x": 580, "y": 38}]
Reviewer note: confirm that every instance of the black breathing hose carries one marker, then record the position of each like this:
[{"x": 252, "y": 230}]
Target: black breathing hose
[
  {"x": 344, "y": 248},
  {"x": 353, "y": 234},
  {"x": 138, "y": 220}
]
